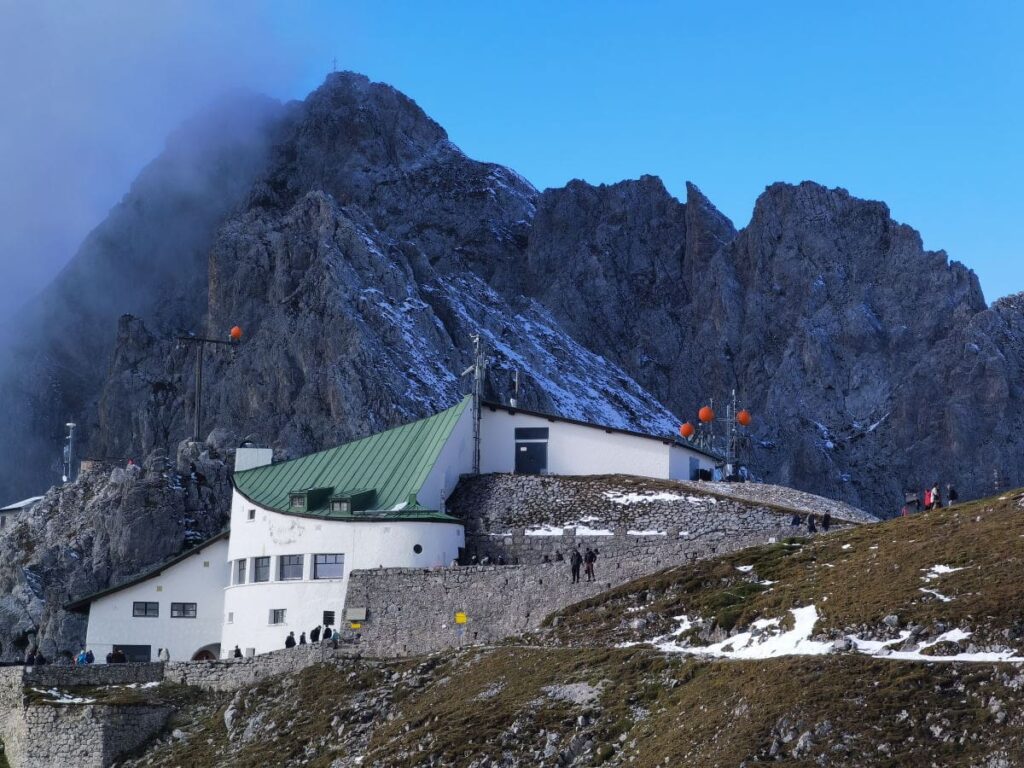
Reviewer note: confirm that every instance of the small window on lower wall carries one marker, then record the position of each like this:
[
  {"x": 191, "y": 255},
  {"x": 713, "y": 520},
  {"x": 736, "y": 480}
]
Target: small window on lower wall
[
  {"x": 328, "y": 618},
  {"x": 277, "y": 615},
  {"x": 183, "y": 610},
  {"x": 146, "y": 610}
]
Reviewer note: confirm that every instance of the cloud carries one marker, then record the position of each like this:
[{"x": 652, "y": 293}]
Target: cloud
[{"x": 90, "y": 92}]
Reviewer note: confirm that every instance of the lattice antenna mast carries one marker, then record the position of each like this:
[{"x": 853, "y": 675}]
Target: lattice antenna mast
[{"x": 479, "y": 371}]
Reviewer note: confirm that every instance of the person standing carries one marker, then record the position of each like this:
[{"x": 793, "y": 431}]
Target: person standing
[
  {"x": 314, "y": 634},
  {"x": 164, "y": 655},
  {"x": 289, "y": 642},
  {"x": 237, "y": 653},
  {"x": 936, "y": 496},
  {"x": 811, "y": 527},
  {"x": 826, "y": 522},
  {"x": 590, "y": 558},
  {"x": 927, "y": 499},
  {"x": 575, "y": 561},
  {"x": 951, "y": 495},
  {"x": 302, "y": 639}
]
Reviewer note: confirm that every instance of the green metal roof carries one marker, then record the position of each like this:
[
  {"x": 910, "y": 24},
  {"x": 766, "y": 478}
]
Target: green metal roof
[{"x": 394, "y": 463}]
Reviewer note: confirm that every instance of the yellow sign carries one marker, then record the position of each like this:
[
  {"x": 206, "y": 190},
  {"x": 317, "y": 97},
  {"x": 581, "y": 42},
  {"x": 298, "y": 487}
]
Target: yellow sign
[
  {"x": 460, "y": 618},
  {"x": 355, "y": 625}
]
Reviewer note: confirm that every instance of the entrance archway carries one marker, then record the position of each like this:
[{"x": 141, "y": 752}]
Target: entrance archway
[{"x": 207, "y": 653}]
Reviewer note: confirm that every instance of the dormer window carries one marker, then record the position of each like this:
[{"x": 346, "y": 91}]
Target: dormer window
[
  {"x": 341, "y": 506},
  {"x": 297, "y": 502}
]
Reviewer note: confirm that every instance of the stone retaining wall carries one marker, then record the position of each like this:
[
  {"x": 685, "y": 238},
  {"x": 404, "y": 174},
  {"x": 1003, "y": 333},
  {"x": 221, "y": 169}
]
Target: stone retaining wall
[
  {"x": 232, "y": 674},
  {"x": 524, "y": 517},
  {"x": 65, "y": 675},
  {"x": 85, "y": 736},
  {"x": 411, "y": 611}
]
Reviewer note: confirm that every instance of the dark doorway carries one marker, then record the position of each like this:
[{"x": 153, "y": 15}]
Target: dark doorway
[
  {"x": 694, "y": 468},
  {"x": 531, "y": 458},
  {"x": 137, "y": 653}
]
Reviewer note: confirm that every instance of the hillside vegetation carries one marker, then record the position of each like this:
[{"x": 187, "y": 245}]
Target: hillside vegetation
[{"x": 612, "y": 681}]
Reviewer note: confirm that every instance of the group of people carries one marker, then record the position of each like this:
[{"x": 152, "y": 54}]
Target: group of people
[
  {"x": 812, "y": 527},
  {"x": 316, "y": 635},
  {"x": 932, "y": 498},
  {"x": 35, "y": 658},
  {"x": 585, "y": 559}
]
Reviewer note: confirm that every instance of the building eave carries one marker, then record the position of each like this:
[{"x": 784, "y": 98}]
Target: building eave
[{"x": 82, "y": 604}]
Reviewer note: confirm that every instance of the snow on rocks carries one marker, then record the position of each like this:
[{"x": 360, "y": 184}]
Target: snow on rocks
[{"x": 767, "y": 639}]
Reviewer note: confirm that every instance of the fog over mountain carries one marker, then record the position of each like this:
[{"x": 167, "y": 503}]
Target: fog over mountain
[{"x": 360, "y": 249}]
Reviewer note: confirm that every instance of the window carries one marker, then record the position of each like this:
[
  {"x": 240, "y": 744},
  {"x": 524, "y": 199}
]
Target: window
[
  {"x": 277, "y": 615},
  {"x": 289, "y": 567},
  {"x": 297, "y": 501},
  {"x": 328, "y": 618},
  {"x": 231, "y": 617},
  {"x": 240, "y": 572},
  {"x": 328, "y": 566},
  {"x": 252, "y": 514},
  {"x": 343, "y": 506},
  {"x": 261, "y": 569},
  {"x": 3, "y": 520},
  {"x": 147, "y": 610},
  {"x": 417, "y": 548},
  {"x": 531, "y": 433},
  {"x": 183, "y": 610}
]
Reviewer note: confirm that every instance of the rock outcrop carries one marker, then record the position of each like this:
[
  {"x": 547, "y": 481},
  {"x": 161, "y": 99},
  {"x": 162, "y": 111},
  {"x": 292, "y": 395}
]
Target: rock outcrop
[{"x": 111, "y": 524}]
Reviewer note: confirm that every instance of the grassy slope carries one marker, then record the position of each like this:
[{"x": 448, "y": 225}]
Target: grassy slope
[
  {"x": 653, "y": 709},
  {"x": 854, "y": 577}
]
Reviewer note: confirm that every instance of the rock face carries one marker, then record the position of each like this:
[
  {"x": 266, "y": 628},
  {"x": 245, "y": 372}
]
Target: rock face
[
  {"x": 360, "y": 250},
  {"x": 113, "y": 523}
]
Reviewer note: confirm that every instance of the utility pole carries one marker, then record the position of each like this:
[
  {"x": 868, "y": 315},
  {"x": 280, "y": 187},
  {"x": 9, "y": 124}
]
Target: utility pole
[{"x": 200, "y": 344}]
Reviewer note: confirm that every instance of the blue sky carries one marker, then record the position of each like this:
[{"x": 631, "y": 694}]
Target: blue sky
[{"x": 916, "y": 104}]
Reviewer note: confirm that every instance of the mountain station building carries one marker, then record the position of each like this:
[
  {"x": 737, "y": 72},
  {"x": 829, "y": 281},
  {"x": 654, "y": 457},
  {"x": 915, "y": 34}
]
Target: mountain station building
[{"x": 298, "y": 528}]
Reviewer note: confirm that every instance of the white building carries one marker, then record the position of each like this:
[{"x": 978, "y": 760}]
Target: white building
[
  {"x": 11, "y": 511},
  {"x": 179, "y": 605},
  {"x": 298, "y": 528},
  {"x": 530, "y": 442}
]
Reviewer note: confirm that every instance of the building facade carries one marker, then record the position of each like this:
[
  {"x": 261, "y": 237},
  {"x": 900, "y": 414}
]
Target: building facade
[
  {"x": 10, "y": 513},
  {"x": 298, "y": 528},
  {"x": 178, "y": 606}
]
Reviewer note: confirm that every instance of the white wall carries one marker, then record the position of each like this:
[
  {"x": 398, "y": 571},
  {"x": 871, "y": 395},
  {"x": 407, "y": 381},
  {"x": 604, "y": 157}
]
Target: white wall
[
  {"x": 454, "y": 460},
  {"x": 572, "y": 449},
  {"x": 364, "y": 545},
  {"x": 199, "y": 579}
]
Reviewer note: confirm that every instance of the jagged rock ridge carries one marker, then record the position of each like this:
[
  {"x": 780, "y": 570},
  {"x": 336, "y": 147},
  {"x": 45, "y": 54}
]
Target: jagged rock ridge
[{"x": 360, "y": 249}]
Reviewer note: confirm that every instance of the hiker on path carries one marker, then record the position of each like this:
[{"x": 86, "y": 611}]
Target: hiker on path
[
  {"x": 31, "y": 659},
  {"x": 951, "y": 496},
  {"x": 826, "y": 521},
  {"x": 936, "y": 497},
  {"x": 590, "y": 558},
  {"x": 289, "y": 642},
  {"x": 164, "y": 655},
  {"x": 314, "y": 635},
  {"x": 237, "y": 652},
  {"x": 558, "y": 556},
  {"x": 927, "y": 499},
  {"x": 80, "y": 659},
  {"x": 335, "y": 639},
  {"x": 811, "y": 527},
  {"x": 575, "y": 561},
  {"x": 40, "y": 659},
  {"x": 795, "y": 522},
  {"x": 302, "y": 639},
  {"x": 110, "y": 657}
]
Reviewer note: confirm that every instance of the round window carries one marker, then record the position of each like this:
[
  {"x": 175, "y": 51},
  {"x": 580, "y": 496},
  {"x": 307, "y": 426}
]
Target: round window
[{"x": 417, "y": 549}]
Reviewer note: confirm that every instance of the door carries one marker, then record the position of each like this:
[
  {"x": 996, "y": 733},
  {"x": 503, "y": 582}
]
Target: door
[
  {"x": 137, "y": 653},
  {"x": 531, "y": 458},
  {"x": 694, "y": 468}
]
